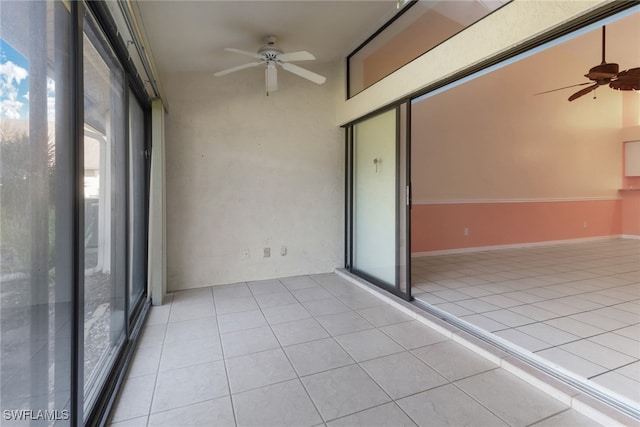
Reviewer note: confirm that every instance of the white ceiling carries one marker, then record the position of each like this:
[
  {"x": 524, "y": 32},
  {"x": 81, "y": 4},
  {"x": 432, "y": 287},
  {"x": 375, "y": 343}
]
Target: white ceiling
[{"x": 192, "y": 35}]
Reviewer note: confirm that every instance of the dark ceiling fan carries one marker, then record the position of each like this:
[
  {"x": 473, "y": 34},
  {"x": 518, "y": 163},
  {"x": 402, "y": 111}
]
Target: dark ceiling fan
[{"x": 605, "y": 74}]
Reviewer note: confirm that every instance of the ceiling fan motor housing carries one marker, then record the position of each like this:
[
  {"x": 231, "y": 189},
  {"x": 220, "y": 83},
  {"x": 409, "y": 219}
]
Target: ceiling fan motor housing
[
  {"x": 270, "y": 53},
  {"x": 603, "y": 71},
  {"x": 270, "y": 50}
]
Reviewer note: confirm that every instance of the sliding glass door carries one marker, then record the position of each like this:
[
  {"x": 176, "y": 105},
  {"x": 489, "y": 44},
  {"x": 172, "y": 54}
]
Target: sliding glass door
[
  {"x": 105, "y": 208},
  {"x": 374, "y": 197},
  {"x": 36, "y": 221},
  {"x": 73, "y": 214},
  {"x": 378, "y": 201},
  {"x": 138, "y": 205}
]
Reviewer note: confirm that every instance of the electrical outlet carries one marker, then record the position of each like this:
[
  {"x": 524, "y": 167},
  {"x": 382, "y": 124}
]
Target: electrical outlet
[
  {"x": 283, "y": 251},
  {"x": 244, "y": 253},
  {"x": 267, "y": 252},
  {"x": 466, "y": 231},
  {"x": 585, "y": 224}
]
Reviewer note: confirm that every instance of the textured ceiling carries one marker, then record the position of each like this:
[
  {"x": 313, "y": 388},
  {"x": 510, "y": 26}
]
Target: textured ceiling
[{"x": 192, "y": 35}]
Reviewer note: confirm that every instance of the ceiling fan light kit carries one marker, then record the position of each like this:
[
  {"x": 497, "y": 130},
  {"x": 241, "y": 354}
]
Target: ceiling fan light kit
[
  {"x": 605, "y": 74},
  {"x": 271, "y": 56}
]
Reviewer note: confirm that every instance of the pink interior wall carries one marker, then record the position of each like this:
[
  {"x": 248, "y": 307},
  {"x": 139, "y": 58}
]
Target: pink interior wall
[{"x": 441, "y": 226}]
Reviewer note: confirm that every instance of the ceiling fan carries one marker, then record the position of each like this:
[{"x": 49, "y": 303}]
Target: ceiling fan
[
  {"x": 605, "y": 74},
  {"x": 271, "y": 55}
]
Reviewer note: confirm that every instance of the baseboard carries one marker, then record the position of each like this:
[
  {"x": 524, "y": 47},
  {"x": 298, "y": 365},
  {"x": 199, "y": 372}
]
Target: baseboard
[
  {"x": 630, "y": 236},
  {"x": 520, "y": 245}
]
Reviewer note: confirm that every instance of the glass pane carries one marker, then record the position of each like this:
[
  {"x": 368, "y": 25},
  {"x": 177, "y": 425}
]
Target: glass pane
[
  {"x": 137, "y": 197},
  {"x": 419, "y": 29},
  {"x": 105, "y": 215},
  {"x": 36, "y": 228},
  {"x": 374, "y": 193},
  {"x": 500, "y": 194}
]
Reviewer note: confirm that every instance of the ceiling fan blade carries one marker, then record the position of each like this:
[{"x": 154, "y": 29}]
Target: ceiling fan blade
[
  {"x": 561, "y": 88},
  {"x": 584, "y": 91},
  {"x": 244, "y": 52},
  {"x": 627, "y": 80},
  {"x": 296, "y": 56},
  {"x": 309, "y": 75},
  {"x": 271, "y": 78},
  {"x": 238, "y": 68}
]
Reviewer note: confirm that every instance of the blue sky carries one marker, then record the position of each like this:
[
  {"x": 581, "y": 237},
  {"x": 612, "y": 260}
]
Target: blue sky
[{"x": 14, "y": 83}]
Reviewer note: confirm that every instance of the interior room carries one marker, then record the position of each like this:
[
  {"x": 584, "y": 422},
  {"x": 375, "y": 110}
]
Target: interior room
[
  {"x": 272, "y": 213},
  {"x": 524, "y": 218}
]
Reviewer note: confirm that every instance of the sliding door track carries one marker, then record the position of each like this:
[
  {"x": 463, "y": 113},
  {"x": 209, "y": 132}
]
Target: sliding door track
[{"x": 630, "y": 410}]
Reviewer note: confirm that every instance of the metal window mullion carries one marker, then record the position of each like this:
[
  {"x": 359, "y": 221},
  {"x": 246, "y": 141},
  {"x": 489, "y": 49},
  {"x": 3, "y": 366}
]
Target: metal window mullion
[
  {"x": 346, "y": 197},
  {"x": 351, "y": 192},
  {"x": 127, "y": 206},
  {"x": 409, "y": 202},
  {"x": 77, "y": 96}
]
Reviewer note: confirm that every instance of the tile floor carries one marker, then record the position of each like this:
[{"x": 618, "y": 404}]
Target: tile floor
[
  {"x": 574, "y": 305},
  {"x": 315, "y": 350}
]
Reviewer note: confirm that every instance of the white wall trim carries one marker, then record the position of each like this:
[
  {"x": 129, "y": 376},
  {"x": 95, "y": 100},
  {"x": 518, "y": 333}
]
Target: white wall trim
[
  {"x": 630, "y": 236},
  {"x": 520, "y": 245},
  {"x": 528, "y": 200}
]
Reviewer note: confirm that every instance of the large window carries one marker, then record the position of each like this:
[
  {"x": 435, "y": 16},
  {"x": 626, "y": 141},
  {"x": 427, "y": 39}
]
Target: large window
[
  {"x": 36, "y": 225},
  {"x": 104, "y": 203},
  {"x": 73, "y": 200},
  {"x": 418, "y": 28}
]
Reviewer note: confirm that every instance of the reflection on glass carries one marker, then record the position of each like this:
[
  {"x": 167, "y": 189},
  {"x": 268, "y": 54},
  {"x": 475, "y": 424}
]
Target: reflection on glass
[
  {"x": 137, "y": 205},
  {"x": 35, "y": 228},
  {"x": 419, "y": 29},
  {"x": 374, "y": 189},
  {"x": 104, "y": 206}
]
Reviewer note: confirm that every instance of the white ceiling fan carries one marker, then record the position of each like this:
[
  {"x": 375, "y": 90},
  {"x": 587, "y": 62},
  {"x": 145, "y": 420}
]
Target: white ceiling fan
[{"x": 271, "y": 55}]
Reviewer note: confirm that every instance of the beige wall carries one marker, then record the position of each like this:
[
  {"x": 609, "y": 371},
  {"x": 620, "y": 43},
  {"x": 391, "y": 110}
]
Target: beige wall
[
  {"x": 491, "y": 139},
  {"x": 249, "y": 171}
]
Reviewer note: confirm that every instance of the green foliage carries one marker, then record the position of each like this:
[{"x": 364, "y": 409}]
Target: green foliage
[{"x": 16, "y": 173}]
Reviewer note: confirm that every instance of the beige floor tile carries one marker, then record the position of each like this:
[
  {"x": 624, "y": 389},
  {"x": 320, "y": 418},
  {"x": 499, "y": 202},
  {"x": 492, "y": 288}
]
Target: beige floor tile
[
  {"x": 343, "y": 391},
  {"x": 216, "y": 412},
  {"x": 193, "y": 384},
  {"x": 453, "y": 360},
  {"x": 369, "y": 344},
  {"x": 317, "y": 356},
  {"x": 258, "y": 370},
  {"x": 283, "y": 404},
  {"x": 402, "y": 374},
  {"x": 386, "y": 415},
  {"x": 509, "y": 397},
  {"x": 180, "y": 354},
  {"x": 447, "y": 406},
  {"x": 135, "y": 398}
]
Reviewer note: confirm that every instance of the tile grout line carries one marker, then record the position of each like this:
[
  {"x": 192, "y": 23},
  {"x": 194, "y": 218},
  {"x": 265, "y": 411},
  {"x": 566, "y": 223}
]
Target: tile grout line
[
  {"x": 224, "y": 358},
  {"x": 157, "y": 373},
  {"x": 462, "y": 340},
  {"x": 359, "y": 364},
  {"x": 287, "y": 356}
]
